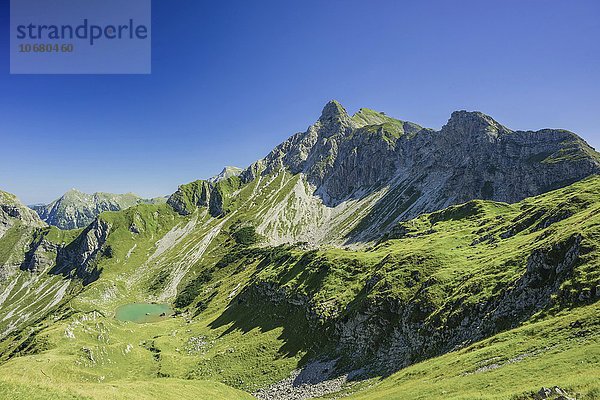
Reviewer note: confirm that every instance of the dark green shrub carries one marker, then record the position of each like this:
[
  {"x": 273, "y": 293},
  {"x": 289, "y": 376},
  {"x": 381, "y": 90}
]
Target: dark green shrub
[
  {"x": 245, "y": 236},
  {"x": 192, "y": 289}
]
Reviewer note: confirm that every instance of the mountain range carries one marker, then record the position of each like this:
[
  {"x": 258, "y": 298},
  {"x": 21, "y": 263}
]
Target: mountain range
[
  {"x": 76, "y": 209},
  {"x": 366, "y": 256}
]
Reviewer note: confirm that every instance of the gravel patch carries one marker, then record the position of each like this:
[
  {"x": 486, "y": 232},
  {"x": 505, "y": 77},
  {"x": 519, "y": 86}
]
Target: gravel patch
[{"x": 316, "y": 379}]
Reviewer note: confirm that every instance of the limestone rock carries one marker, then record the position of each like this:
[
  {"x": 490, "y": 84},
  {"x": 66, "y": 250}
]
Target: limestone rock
[{"x": 422, "y": 170}]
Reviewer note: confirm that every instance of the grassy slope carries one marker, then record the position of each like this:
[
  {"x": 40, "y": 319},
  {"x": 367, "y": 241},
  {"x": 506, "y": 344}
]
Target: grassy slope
[
  {"x": 441, "y": 246},
  {"x": 246, "y": 359},
  {"x": 27, "y": 297},
  {"x": 45, "y": 388},
  {"x": 374, "y": 122},
  {"x": 563, "y": 350},
  {"x": 252, "y": 345}
]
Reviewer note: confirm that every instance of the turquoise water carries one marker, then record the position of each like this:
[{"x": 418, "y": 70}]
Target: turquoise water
[{"x": 143, "y": 312}]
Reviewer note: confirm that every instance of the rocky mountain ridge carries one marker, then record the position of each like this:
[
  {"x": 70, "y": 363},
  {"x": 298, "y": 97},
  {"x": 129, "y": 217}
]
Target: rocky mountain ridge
[
  {"x": 472, "y": 156},
  {"x": 12, "y": 211},
  {"x": 361, "y": 174}
]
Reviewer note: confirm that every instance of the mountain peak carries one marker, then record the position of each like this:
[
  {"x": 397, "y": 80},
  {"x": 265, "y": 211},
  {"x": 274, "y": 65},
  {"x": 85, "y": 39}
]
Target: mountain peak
[
  {"x": 73, "y": 193},
  {"x": 227, "y": 172},
  {"x": 469, "y": 122},
  {"x": 344, "y": 158},
  {"x": 333, "y": 110}
]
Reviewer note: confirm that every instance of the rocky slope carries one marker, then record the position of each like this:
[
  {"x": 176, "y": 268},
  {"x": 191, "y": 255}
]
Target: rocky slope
[
  {"x": 13, "y": 212},
  {"x": 75, "y": 209},
  {"x": 17, "y": 224},
  {"x": 28, "y": 288}
]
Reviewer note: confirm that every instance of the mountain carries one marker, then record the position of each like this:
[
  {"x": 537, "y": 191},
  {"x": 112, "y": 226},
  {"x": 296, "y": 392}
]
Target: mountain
[
  {"x": 367, "y": 256},
  {"x": 75, "y": 209},
  {"x": 227, "y": 172},
  {"x": 472, "y": 156},
  {"x": 17, "y": 223},
  {"x": 346, "y": 180},
  {"x": 13, "y": 212}
]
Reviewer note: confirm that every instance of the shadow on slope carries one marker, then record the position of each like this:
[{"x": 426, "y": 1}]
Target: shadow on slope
[{"x": 269, "y": 306}]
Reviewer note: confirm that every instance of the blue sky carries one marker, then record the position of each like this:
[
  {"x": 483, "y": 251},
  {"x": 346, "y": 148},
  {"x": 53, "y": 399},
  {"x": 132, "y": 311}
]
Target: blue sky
[{"x": 232, "y": 79}]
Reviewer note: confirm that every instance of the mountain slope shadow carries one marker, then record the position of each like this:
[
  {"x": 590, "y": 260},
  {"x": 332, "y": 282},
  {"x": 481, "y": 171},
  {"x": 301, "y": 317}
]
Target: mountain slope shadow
[{"x": 267, "y": 306}]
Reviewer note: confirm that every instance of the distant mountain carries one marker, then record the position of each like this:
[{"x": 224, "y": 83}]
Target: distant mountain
[
  {"x": 227, "y": 172},
  {"x": 76, "y": 209}
]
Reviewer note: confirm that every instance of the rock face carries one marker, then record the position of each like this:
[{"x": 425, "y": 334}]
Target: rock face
[
  {"x": 18, "y": 225},
  {"x": 422, "y": 170},
  {"x": 78, "y": 259},
  {"x": 12, "y": 212},
  {"x": 77, "y": 210},
  {"x": 212, "y": 194},
  {"x": 40, "y": 256}
]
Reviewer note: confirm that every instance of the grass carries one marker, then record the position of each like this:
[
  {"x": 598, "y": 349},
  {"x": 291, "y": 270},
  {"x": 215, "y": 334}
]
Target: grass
[
  {"x": 13, "y": 244},
  {"x": 511, "y": 365},
  {"x": 574, "y": 149},
  {"x": 248, "y": 315},
  {"x": 45, "y": 388},
  {"x": 375, "y": 122}
]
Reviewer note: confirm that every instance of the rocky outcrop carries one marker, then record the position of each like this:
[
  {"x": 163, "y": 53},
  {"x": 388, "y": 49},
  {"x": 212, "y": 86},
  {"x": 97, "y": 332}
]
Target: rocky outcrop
[
  {"x": 421, "y": 170},
  {"x": 396, "y": 333},
  {"x": 12, "y": 212},
  {"x": 227, "y": 172},
  {"x": 41, "y": 255},
  {"x": 555, "y": 393},
  {"x": 190, "y": 196},
  {"x": 213, "y": 195},
  {"x": 79, "y": 258},
  {"x": 77, "y": 210}
]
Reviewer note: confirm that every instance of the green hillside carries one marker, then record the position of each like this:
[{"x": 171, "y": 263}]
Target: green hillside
[{"x": 497, "y": 300}]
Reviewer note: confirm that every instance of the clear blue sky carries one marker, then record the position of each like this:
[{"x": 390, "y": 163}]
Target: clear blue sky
[{"x": 231, "y": 79}]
